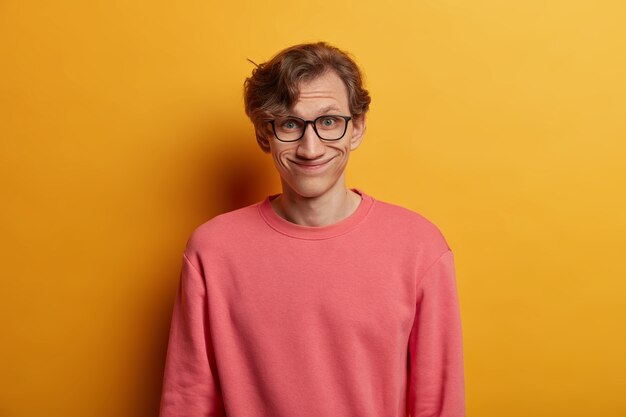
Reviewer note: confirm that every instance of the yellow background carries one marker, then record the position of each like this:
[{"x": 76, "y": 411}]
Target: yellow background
[{"x": 122, "y": 129}]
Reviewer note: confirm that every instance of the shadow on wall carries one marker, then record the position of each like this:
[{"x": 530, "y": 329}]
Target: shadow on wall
[
  {"x": 235, "y": 175},
  {"x": 243, "y": 176}
]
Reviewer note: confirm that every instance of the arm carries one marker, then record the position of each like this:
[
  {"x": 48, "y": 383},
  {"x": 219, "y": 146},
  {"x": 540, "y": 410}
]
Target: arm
[
  {"x": 190, "y": 382},
  {"x": 436, "y": 378}
]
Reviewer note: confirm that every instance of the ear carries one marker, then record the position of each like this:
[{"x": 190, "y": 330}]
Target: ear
[
  {"x": 358, "y": 130},
  {"x": 263, "y": 141}
]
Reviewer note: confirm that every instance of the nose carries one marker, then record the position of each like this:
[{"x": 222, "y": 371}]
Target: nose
[{"x": 310, "y": 146}]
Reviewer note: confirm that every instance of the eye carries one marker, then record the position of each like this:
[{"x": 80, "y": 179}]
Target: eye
[
  {"x": 289, "y": 124},
  {"x": 327, "y": 122}
]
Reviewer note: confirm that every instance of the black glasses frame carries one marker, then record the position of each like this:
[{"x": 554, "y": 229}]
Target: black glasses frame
[{"x": 312, "y": 122}]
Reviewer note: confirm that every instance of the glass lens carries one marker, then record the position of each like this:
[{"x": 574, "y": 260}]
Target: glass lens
[
  {"x": 330, "y": 127},
  {"x": 288, "y": 128}
]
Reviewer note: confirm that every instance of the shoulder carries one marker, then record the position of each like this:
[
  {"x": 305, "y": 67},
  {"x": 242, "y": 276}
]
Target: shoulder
[
  {"x": 408, "y": 224},
  {"x": 222, "y": 228}
]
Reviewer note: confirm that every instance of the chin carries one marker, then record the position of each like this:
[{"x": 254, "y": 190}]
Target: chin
[{"x": 311, "y": 188}]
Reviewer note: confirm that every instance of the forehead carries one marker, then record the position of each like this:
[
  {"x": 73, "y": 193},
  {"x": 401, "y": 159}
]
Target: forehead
[{"x": 326, "y": 92}]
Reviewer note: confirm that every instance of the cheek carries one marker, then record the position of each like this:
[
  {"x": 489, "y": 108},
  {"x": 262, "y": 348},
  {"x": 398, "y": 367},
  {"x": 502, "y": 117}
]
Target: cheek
[
  {"x": 344, "y": 151},
  {"x": 278, "y": 156}
]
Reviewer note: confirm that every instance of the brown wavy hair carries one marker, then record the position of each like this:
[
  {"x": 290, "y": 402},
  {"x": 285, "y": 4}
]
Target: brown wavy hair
[{"x": 273, "y": 88}]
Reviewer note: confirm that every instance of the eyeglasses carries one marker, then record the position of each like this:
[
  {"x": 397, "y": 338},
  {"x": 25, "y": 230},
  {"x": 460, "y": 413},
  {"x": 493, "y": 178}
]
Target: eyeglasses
[{"x": 327, "y": 127}]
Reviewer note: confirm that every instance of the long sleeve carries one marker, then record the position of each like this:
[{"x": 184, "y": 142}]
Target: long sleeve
[
  {"x": 190, "y": 382},
  {"x": 436, "y": 377}
]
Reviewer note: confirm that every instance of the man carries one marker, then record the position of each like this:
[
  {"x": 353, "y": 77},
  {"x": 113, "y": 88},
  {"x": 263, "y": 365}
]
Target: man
[{"x": 321, "y": 301}]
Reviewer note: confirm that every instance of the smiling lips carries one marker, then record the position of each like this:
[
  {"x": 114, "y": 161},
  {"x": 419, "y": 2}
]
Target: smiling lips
[{"x": 311, "y": 166}]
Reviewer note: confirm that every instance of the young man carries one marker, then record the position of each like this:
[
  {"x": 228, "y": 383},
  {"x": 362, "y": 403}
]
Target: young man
[{"x": 320, "y": 301}]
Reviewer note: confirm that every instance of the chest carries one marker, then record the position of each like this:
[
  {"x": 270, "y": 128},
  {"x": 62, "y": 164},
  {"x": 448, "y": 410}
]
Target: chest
[{"x": 336, "y": 290}]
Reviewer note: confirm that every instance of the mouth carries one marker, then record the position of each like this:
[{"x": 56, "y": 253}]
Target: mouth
[{"x": 311, "y": 166}]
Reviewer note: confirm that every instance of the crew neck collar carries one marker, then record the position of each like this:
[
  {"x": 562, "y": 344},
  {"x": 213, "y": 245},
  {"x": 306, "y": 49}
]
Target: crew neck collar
[{"x": 310, "y": 232}]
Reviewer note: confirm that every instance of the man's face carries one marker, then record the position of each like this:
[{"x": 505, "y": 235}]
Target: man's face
[{"x": 312, "y": 167}]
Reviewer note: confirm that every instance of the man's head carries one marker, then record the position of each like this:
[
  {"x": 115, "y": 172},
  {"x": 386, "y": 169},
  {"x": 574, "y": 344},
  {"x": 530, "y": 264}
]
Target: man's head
[{"x": 274, "y": 86}]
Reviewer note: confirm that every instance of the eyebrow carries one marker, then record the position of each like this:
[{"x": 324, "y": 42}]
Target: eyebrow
[
  {"x": 328, "y": 108},
  {"x": 322, "y": 111}
]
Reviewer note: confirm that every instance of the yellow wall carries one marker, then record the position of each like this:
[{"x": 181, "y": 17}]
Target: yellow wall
[{"x": 122, "y": 129}]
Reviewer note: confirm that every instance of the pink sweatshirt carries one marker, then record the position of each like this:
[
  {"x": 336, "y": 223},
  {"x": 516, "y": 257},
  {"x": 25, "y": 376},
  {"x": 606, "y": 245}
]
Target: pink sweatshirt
[{"x": 273, "y": 319}]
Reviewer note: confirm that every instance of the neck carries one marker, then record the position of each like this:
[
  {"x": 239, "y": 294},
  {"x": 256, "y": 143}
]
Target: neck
[{"x": 324, "y": 210}]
